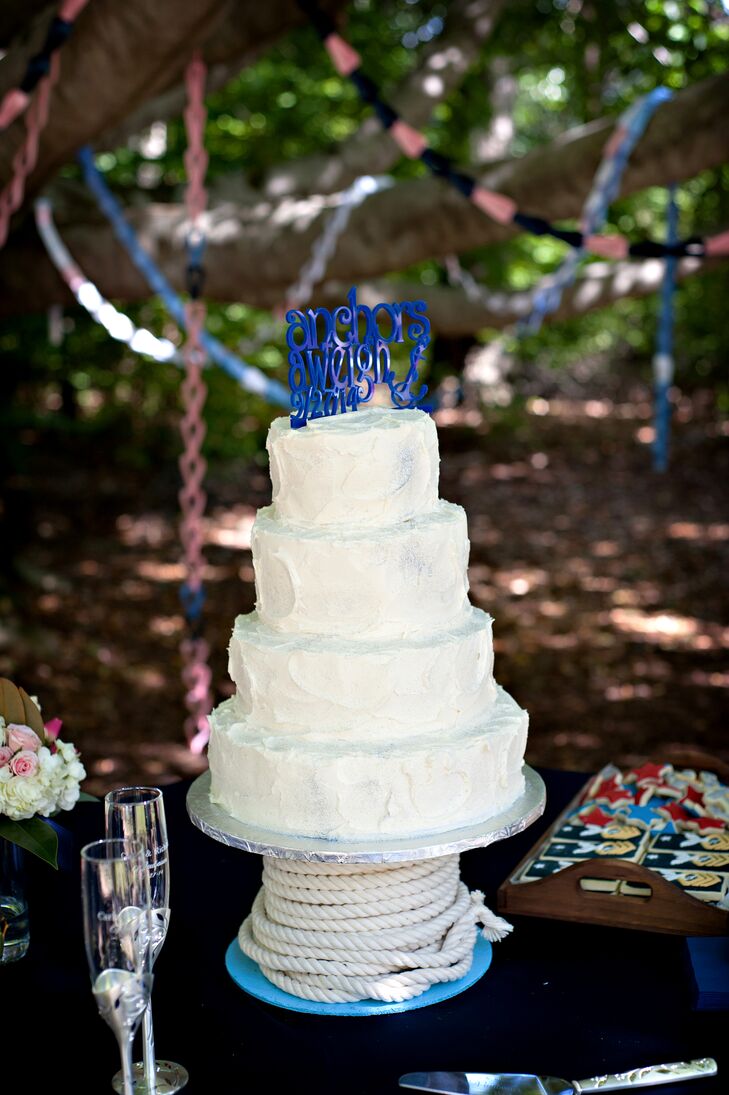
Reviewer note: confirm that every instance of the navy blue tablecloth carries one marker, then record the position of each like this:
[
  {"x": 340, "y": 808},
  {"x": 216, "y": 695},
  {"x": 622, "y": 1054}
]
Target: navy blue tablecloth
[{"x": 561, "y": 999}]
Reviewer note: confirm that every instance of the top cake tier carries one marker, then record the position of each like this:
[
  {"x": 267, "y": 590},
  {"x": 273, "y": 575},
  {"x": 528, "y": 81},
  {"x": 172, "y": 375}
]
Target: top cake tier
[{"x": 380, "y": 464}]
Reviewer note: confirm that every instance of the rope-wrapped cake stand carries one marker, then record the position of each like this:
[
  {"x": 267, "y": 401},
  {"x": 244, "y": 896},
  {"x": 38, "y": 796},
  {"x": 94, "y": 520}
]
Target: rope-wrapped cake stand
[{"x": 362, "y": 927}]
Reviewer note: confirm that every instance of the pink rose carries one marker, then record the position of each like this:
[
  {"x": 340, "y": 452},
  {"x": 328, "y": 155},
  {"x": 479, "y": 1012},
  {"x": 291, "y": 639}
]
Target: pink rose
[
  {"x": 22, "y": 737},
  {"x": 24, "y": 763},
  {"x": 5, "y": 755},
  {"x": 53, "y": 727}
]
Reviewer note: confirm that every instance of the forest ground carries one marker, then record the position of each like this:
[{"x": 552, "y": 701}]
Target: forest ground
[{"x": 606, "y": 582}]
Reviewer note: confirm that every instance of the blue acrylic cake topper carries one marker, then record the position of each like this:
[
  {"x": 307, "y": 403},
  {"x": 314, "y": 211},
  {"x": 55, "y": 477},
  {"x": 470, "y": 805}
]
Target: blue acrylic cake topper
[{"x": 334, "y": 364}]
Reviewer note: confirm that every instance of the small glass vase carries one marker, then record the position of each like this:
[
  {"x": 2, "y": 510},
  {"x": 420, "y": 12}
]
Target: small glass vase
[{"x": 14, "y": 927}]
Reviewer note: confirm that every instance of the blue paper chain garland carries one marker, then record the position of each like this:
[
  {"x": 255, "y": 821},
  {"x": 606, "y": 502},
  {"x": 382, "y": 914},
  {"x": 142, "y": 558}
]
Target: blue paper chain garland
[
  {"x": 248, "y": 376},
  {"x": 117, "y": 325},
  {"x": 547, "y": 296},
  {"x": 663, "y": 364}
]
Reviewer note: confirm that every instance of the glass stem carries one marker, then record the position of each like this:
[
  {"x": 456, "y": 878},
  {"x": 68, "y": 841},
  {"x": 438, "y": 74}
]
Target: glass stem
[
  {"x": 150, "y": 1064},
  {"x": 125, "y": 1049}
]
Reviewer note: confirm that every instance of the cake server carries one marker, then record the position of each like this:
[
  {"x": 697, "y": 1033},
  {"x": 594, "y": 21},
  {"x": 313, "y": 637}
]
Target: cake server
[{"x": 506, "y": 1083}]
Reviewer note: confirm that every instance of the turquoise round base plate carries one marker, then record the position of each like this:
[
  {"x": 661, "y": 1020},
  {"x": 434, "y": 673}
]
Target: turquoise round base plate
[{"x": 246, "y": 973}]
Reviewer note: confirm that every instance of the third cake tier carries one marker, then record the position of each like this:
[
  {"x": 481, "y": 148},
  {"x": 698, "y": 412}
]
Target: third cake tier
[{"x": 323, "y": 688}]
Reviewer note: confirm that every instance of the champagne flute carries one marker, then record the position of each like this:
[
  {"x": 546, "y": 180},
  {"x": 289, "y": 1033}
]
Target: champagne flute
[
  {"x": 116, "y": 905},
  {"x": 138, "y": 813}
]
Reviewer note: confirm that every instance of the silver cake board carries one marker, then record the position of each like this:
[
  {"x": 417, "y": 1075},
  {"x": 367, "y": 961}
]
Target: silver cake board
[
  {"x": 216, "y": 823},
  {"x": 220, "y": 826}
]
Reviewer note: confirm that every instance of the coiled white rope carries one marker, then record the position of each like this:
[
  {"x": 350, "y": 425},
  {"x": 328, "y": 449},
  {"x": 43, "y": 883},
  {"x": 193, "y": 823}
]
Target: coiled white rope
[{"x": 338, "y": 932}]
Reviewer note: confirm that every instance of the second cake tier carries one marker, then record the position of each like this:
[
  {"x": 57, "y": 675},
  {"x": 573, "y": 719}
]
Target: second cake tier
[{"x": 387, "y": 582}]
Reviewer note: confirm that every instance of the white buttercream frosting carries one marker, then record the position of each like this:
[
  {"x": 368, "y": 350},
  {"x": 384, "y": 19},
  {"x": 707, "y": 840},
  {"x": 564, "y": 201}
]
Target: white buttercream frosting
[
  {"x": 373, "y": 582},
  {"x": 365, "y": 702},
  {"x": 323, "y": 688},
  {"x": 376, "y": 466},
  {"x": 428, "y": 783}
]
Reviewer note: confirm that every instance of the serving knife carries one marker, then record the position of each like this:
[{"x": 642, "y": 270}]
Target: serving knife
[{"x": 506, "y": 1083}]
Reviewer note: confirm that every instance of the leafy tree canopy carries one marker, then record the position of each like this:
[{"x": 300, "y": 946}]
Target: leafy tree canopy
[{"x": 567, "y": 62}]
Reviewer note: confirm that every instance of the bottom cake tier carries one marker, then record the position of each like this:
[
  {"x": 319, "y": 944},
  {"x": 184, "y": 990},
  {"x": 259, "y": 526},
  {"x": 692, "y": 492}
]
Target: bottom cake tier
[{"x": 345, "y": 790}]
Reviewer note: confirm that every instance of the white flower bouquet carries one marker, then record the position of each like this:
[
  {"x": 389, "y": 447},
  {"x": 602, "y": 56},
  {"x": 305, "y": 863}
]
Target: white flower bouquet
[{"x": 39, "y": 773}]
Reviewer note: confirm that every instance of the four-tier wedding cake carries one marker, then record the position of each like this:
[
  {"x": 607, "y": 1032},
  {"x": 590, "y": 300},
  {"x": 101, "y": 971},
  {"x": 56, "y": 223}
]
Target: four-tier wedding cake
[{"x": 365, "y": 702}]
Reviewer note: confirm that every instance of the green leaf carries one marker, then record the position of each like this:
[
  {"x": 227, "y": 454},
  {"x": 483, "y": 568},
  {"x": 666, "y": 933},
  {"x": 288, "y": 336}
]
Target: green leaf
[
  {"x": 86, "y": 797},
  {"x": 36, "y": 836}
]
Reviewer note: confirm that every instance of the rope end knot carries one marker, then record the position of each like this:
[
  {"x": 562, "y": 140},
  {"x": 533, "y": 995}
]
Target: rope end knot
[{"x": 494, "y": 928}]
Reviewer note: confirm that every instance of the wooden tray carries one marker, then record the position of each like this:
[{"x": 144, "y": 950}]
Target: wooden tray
[{"x": 561, "y": 896}]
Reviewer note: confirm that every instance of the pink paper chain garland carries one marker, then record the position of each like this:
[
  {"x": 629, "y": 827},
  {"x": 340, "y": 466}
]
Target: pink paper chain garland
[
  {"x": 26, "y": 157},
  {"x": 194, "y": 650}
]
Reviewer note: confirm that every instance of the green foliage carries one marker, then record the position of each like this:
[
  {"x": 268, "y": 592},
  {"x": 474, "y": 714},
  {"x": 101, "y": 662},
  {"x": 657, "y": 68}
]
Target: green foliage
[
  {"x": 574, "y": 60},
  {"x": 35, "y": 835}
]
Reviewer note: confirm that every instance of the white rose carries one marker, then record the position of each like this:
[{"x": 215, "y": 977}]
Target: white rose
[
  {"x": 63, "y": 778},
  {"x": 69, "y": 798},
  {"x": 21, "y": 798},
  {"x": 51, "y": 763},
  {"x": 51, "y": 793},
  {"x": 46, "y": 807},
  {"x": 49, "y": 789},
  {"x": 50, "y": 805},
  {"x": 76, "y": 770},
  {"x": 49, "y": 779},
  {"x": 69, "y": 789},
  {"x": 67, "y": 750}
]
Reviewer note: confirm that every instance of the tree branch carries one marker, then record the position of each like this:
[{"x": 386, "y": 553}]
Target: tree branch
[
  {"x": 233, "y": 45},
  {"x": 256, "y": 248},
  {"x": 122, "y": 54},
  {"x": 452, "y": 313},
  {"x": 18, "y": 22},
  {"x": 169, "y": 103},
  {"x": 369, "y": 151}
]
